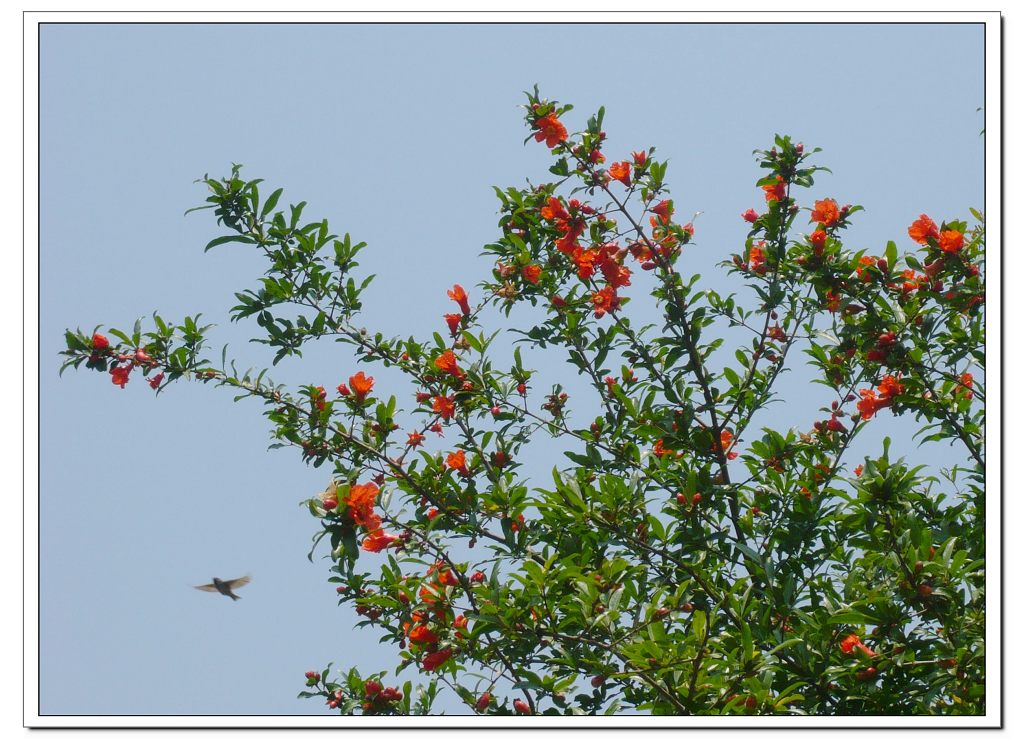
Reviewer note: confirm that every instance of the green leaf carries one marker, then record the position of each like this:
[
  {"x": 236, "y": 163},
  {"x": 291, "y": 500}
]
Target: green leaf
[{"x": 229, "y": 238}]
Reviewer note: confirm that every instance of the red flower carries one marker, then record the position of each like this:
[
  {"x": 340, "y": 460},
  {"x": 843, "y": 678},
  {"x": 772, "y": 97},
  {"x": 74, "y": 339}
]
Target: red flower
[
  {"x": 825, "y": 212},
  {"x": 436, "y": 659},
  {"x": 344, "y": 391},
  {"x": 360, "y": 502},
  {"x": 119, "y": 375},
  {"x": 444, "y": 406},
  {"x": 605, "y": 301},
  {"x": 453, "y": 320},
  {"x": 660, "y": 450},
  {"x": 890, "y": 386},
  {"x": 415, "y": 439},
  {"x": 99, "y": 341},
  {"x": 457, "y": 461},
  {"x": 446, "y": 363},
  {"x": 750, "y": 215},
  {"x": 154, "y": 382},
  {"x": 483, "y": 702},
  {"x": 859, "y": 470},
  {"x": 422, "y": 635},
  {"x": 554, "y": 210},
  {"x": 922, "y": 229},
  {"x": 775, "y": 191},
  {"x": 966, "y": 384},
  {"x": 951, "y": 241},
  {"x": 319, "y": 399},
  {"x": 550, "y": 130},
  {"x": 817, "y": 240},
  {"x": 663, "y": 210},
  {"x": 531, "y": 273},
  {"x": 869, "y": 404},
  {"x": 379, "y": 540},
  {"x": 867, "y": 262},
  {"x": 639, "y": 158},
  {"x": 852, "y": 641},
  {"x": 460, "y": 621},
  {"x": 620, "y": 171},
  {"x": 477, "y": 577},
  {"x": 458, "y": 294},
  {"x": 361, "y": 385}
]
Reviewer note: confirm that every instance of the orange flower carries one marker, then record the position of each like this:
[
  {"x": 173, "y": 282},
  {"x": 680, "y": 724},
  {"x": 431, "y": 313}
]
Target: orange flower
[
  {"x": 453, "y": 320},
  {"x": 726, "y": 439},
  {"x": 639, "y": 158},
  {"x": 378, "y": 540},
  {"x": 531, "y": 273},
  {"x": 867, "y": 262},
  {"x": 604, "y": 301},
  {"x": 360, "y": 501},
  {"x": 951, "y": 241},
  {"x": 775, "y": 191},
  {"x": 964, "y": 388},
  {"x": 360, "y": 385},
  {"x": 756, "y": 262},
  {"x": 663, "y": 210},
  {"x": 620, "y": 171},
  {"x": 890, "y": 386},
  {"x": 922, "y": 229},
  {"x": 415, "y": 439},
  {"x": 859, "y": 470},
  {"x": 446, "y": 363},
  {"x": 422, "y": 635},
  {"x": 660, "y": 450},
  {"x": 457, "y": 461},
  {"x": 825, "y": 212},
  {"x": 817, "y": 239},
  {"x": 852, "y": 641},
  {"x": 458, "y": 294},
  {"x": 436, "y": 659},
  {"x": 444, "y": 406},
  {"x": 554, "y": 210},
  {"x": 550, "y": 130},
  {"x": 869, "y": 404}
]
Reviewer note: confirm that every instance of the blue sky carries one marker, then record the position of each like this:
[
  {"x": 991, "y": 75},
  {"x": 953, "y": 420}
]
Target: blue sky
[{"x": 395, "y": 133}]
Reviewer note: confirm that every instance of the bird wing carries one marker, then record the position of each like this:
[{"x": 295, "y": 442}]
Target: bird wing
[
  {"x": 206, "y": 587},
  {"x": 238, "y": 582}
]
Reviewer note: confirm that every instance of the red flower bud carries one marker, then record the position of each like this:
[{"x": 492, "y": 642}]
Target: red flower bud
[
  {"x": 483, "y": 702},
  {"x": 597, "y": 681},
  {"x": 99, "y": 341},
  {"x": 521, "y": 707}
]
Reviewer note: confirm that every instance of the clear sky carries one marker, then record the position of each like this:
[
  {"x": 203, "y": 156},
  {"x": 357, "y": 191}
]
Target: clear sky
[{"x": 396, "y": 134}]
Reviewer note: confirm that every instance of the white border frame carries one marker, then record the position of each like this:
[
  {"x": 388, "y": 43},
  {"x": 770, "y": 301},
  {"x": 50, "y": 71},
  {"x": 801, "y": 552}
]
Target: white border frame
[{"x": 994, "y": 489}]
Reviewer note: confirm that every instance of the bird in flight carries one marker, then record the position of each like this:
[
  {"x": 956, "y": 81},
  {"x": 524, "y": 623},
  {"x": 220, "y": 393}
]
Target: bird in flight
[{"x": 224, "y": 587}]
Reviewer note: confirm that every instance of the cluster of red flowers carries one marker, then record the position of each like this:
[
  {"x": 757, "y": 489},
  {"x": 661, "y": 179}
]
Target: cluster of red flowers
[
  {"x": 870, "y": 402},
  {"x": 377, "y": 696},
  {"x": 359, "y": 506},
  {"x": 924, "y": 232},
  {"x": 429, "y": 619}
]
